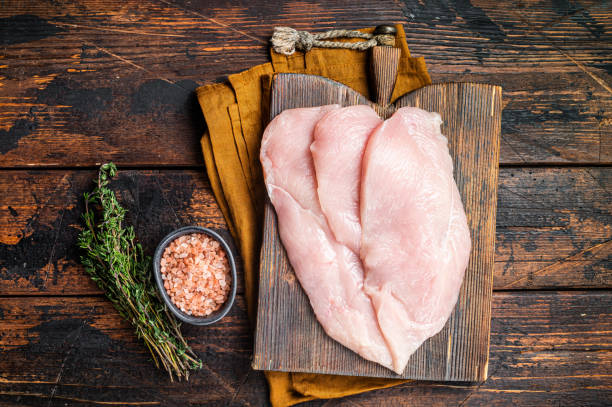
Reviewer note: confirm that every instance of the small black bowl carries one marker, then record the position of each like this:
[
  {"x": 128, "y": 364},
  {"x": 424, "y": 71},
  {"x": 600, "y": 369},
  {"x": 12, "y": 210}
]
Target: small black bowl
[{"x": 221, "y": 312}]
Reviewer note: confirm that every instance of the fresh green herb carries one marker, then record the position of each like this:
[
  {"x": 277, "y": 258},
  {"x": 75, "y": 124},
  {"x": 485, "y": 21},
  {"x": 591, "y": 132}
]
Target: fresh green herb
[{"x": 118, "y": 265}]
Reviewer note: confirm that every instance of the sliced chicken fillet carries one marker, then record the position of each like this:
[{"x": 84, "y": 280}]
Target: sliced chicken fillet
[
  {"x": 415, "y": 238},
  {"x": 339, "y": 141},
  {"x": 329, "y": 272}
]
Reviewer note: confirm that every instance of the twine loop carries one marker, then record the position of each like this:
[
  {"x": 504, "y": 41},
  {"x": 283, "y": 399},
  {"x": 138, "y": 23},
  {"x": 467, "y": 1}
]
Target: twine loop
[{"x": 287, "y": 40}]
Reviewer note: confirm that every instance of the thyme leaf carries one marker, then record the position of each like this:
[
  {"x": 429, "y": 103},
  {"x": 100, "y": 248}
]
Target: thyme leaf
[{"x": 116, "y": 262}]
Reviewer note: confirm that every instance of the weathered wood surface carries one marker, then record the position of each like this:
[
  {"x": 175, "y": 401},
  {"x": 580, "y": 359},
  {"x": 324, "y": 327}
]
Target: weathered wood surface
[
  {"x": 554, "y": 226},
  {"x": 545, "y": 205},
  {"x": 547, "y": 348},
  {"x": 384, "y": 62},
  {"x": 40, "y": 214},
  {"x": 471, "y": 120},
  {"x": 87, "y": 81},
  {"x": 94, "y": 80}
]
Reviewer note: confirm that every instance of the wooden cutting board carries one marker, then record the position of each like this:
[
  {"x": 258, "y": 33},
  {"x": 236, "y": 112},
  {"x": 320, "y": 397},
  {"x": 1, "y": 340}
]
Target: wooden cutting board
[{"x": 288, "y": 336}]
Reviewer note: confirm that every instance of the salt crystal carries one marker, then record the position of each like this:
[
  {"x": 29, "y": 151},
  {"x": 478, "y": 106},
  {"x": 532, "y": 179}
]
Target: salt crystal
[{"x": 196, "y": 274}]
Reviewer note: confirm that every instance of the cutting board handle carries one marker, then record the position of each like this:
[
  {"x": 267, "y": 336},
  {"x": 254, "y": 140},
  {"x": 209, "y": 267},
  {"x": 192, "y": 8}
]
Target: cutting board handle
[{"x": 384, "y": 62}]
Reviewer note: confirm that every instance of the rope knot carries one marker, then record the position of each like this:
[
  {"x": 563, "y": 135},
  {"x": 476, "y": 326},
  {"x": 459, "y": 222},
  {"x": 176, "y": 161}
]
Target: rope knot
[
  {"x": 305, "y": 41},
  {"x": 286, "y": 40}
]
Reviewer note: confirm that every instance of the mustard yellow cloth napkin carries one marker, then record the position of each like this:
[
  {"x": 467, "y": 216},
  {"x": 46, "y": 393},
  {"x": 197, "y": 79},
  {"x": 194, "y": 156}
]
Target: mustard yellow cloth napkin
[{"x": 236, "y": 113}]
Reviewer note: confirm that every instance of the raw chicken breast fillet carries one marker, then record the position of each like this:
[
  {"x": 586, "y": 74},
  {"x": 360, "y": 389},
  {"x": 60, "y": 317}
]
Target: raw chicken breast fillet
[
  {"x": 415, "y": 238},
  {"x": 339, "y": 141},
  {"x": 329, "y": 272}
]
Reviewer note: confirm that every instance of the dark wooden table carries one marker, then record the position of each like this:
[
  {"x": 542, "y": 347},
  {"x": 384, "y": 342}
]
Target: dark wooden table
[{"x": 85, "y": 82}]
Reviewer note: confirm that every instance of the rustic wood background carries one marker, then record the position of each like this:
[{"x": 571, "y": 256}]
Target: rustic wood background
[{"x": 83, "y": 82}]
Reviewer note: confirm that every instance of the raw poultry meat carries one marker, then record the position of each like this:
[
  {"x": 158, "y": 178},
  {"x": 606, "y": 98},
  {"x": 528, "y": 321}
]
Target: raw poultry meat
[
  {"x": 415, "y": 239},
  {"x": 372, "y": 222},
  {"x": 329, "y": 272},
  {"x": 337, "y": 150}
]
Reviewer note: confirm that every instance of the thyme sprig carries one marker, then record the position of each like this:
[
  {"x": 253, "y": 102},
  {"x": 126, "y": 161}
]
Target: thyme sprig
[{"x": 119, "y": 267}]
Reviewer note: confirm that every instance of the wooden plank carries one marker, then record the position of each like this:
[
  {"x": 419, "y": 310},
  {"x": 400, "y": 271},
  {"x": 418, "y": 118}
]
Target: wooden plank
[
  {"x": 40, "y": 221},
  {"x": 544, "y": 13},
  {"x": 585, "y": 36},
  {"x": 562, "y": 113},
  {"x": 491, "y": 35},
  {"x": 534, "y": 205},
  {"x": 92, "y": 81},
  {"x": 526, "y": 353},
  {"x": 471, "y": 115},
  {"x": 97, "y": 80},
  {"x": 83, "y": 343},
  {"x": 549, "y": 118},
  {"x": 554, "y": 113},
  {"x": 553, "y": 225},
  {"x": 547, "y": 348}
]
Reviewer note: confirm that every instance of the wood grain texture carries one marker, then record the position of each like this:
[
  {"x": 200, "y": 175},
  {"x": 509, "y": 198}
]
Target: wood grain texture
[
  {"x": 84, "y": 350},
  {"x": 384, "y": 62},
  {"x": 91, "y": 81},
  {"x": 538, "y": 208},
  {"x": 553, "y": 225},
  {"x": 549, "y": 118},
  {"x": 471, "y": 115},
  {"x": 40, "y": 218},
  {"x": 547, "y": 349},
  {"x": 87, "y": 81}
]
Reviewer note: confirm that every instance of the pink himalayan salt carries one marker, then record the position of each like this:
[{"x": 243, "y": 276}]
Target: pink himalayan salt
[{"x": 196, "y": 274}]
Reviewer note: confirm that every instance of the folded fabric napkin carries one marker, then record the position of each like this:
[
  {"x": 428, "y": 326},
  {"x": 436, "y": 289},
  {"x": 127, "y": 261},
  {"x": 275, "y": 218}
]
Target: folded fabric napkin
[{"x": 236, "y": 113}]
